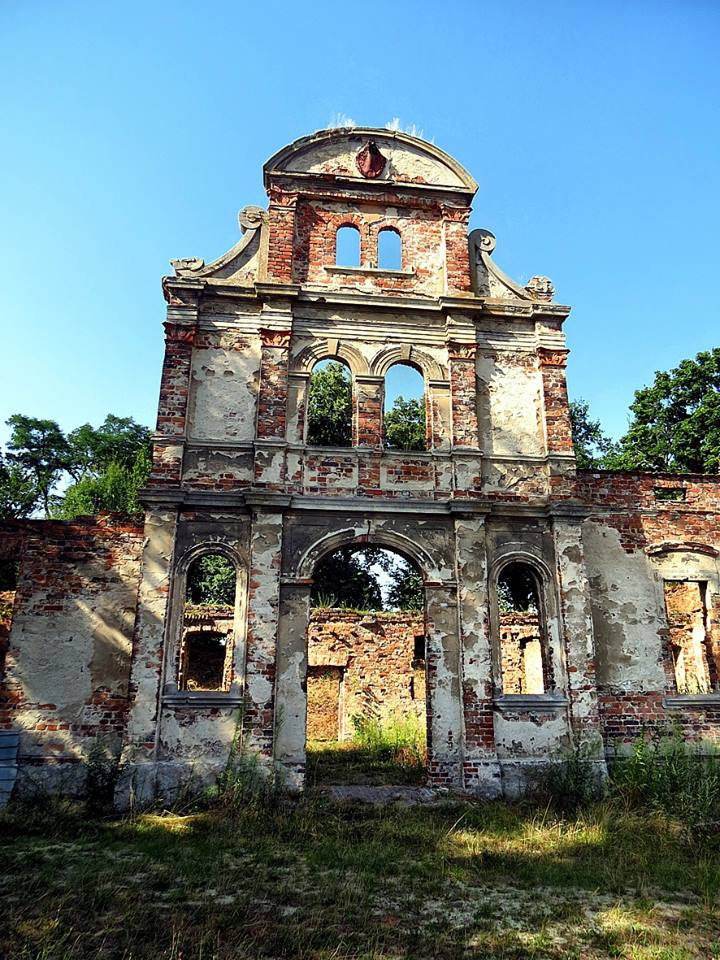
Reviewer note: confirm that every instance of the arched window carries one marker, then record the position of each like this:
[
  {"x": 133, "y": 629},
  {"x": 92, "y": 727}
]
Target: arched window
[
  {"x": 329, "y": 405},
  {"x": 404, "y": 426},
  {"x": 207, "y": 639},
  {"x": 389, "y": 249},
  {"x": 523, "y": 643},
  {"x": 347, "y": 246}
]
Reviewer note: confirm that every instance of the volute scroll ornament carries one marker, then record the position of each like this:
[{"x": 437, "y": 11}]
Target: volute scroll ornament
[
  {"x": 483, "y": 240},
  {"x": 187, "y": 266},
  {"x": 251, "y": 218}
]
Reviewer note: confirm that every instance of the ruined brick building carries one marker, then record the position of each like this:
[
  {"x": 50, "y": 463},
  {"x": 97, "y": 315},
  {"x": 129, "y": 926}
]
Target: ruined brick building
[{"x": 622, "y": 634}]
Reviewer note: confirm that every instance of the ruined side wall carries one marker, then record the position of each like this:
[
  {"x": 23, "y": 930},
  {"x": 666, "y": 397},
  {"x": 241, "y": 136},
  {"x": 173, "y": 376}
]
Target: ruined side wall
[
  {"x": 375, "y": 652},
  {"x": 633, "y": 543},
  {"x": 69, "y": 649}
]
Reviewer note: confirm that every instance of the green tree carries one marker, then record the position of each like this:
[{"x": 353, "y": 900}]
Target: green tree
[
  {"x": 405, "y": 425},
  {"x": 592, "y": 446},
  {"x": 211, "y": 579},
  {"x": 406, "y": 590},
  {"x": 329, "y": 406},
  {"x": 675, "y": 425},
  {"x": 41, "y": 450},
  {"x": 114, "y": 490},
  {"x": 20, "y": 495},
  {"x": 117, "y": 440},
  {"x": 344, "y": 579}
]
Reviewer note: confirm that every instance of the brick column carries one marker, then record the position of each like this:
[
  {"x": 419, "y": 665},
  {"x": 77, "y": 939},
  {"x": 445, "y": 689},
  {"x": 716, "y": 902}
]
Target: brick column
[
  {"x": 262, "y": 626},
  {"x": 172, "y": 409},
  {"x": 271, "y": 423},
  {"x": 558, "y": 428},
  {"x": 367, "y": 423},
  {"x": 281, "y": 234},
  {"x": 481, "y": 769},
  {"x": 578, "y": 631},
  {"x": 463, "y": 394},
  {"x": 457, "y": 252}
]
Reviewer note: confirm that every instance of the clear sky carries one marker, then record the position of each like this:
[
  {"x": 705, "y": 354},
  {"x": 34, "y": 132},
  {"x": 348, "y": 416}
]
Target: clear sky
[{"x": 134, "y": 131}]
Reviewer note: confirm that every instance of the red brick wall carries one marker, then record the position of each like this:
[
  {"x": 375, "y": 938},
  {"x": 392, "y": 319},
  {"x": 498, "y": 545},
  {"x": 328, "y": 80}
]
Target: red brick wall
[
  {"x": 376, "y": 654},
  {"x": 68, "y": 570}
]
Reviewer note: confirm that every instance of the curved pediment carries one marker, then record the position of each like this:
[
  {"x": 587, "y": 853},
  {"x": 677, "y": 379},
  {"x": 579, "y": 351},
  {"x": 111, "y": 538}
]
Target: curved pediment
[{"x": 375, "y": 154}]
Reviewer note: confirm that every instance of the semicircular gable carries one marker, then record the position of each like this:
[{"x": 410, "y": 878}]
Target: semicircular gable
[{"x": 408, "y": 159}]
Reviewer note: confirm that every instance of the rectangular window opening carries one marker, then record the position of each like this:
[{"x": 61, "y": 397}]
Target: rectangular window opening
[
  {"x": 671, "y": 494},
  {"x": 690, "y": 640}
]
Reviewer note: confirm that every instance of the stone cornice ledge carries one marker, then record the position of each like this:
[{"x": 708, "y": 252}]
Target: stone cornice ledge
[
  {"x": 202, "y": 700},
  {"x": 522, "y": 702},
  {"x": 697, "y": 701}
]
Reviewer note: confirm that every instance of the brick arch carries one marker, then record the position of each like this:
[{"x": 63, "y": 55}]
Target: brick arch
[
  {"x": 390, "y": 540},
  {"x": 304, "y": 361},
  {"x": 388, "y": 356}
]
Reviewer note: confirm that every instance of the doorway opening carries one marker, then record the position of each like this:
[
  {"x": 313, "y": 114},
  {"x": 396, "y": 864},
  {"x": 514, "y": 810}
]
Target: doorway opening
[{"x": 366, "y": 681}]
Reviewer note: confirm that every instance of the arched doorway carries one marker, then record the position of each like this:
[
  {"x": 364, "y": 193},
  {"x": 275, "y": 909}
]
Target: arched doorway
[{"x": 367, "y": 716}]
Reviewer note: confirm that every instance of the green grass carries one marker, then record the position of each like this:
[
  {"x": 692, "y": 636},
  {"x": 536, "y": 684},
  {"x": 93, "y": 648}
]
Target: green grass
[
  {"x": 391, "y": 751},
  {"x": 322, "y": 882}
]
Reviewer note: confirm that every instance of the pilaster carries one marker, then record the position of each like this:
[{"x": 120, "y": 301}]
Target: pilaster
[
  {"x": 262, "y": 627},
  {"x": 481, "y": 770}
]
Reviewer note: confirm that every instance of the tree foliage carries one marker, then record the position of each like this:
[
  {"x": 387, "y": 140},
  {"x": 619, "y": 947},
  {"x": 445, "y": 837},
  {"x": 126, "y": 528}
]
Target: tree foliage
[
  {"x": 19, "y": 493},
  {"x": 114, "y": 490},
  {"x": 329, "y": 406},
  {"x": 592, "y": 446},
  {"x": 351, "y": 578},
  {"x": 41, "y": 450},
  {"x": 405, "y": 425},
  {"x": 675, "y": 425},
  {"x": 406, "y": 591},
  {"x": 107, "y": 467},
  {"x": 211, "y": 579}
]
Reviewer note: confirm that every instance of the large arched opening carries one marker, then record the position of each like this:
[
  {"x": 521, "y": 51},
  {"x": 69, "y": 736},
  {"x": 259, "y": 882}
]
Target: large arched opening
[{"x": 367, "y": 692}]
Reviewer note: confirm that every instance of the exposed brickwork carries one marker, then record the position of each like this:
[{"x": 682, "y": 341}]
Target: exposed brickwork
[
  {"x": 555, "y": 398},
  {"x": 281, "y": 222},
  {"x": 73, "y": 575},
  {"x": 376, "y": 655},
  {"x": 272, "y": 394},
  {"x": 172, "y": 406}
]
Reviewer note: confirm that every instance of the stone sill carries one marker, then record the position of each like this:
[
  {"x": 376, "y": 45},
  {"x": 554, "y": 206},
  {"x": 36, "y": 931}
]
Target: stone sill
[
  {"x": 202, "y": 699},
  {"x": 522, "y": 702},
  {"x": 371, "y": 271},
  {"x": 690, "y": 700}
]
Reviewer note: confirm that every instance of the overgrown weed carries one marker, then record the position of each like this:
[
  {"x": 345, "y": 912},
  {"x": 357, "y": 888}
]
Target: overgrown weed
[{"x": 678, "y": 779}]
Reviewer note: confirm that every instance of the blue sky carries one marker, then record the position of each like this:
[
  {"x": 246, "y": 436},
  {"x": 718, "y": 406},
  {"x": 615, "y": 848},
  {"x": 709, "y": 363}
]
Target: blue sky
[{"x": 134, "y": 131}]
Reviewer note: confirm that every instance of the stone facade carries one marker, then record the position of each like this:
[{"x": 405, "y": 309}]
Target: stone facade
[{"x": 497, "y": 485}]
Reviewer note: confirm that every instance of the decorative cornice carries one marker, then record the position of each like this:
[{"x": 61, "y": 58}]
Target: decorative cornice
[
  {"x": 179, "y": 333},
  {"x": 552, "y": 357},
  {"x": 461, "y": 351},
  {"x": 275, "y": 338}
]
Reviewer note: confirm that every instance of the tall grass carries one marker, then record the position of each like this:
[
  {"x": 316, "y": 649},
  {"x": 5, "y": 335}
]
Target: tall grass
[{"x": 678, "y": 779}]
